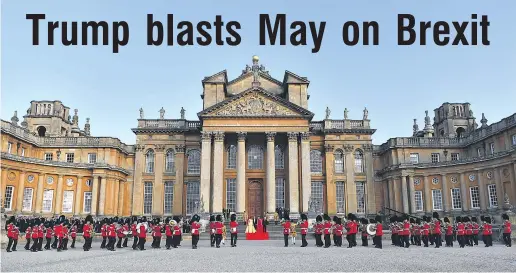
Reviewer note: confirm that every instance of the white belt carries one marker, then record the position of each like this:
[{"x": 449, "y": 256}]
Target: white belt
[
  {"x": 212, "y": 230},
  {"x": 233, "y": 229},
  {"x": 194, "y": 230}
]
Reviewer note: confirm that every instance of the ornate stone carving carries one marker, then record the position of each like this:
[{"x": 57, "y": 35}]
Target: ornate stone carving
[
  {"x": 242, "y": 136},
  {"x": 162, "y": 113},
  {"x": 270, "y": 136},
  {"x": 159, "y": 148},
  {"x": 366, "y": 114},
  {"x": 346, "y": 113},
  {"x": 328, "y": 112},
  {"x": 205, "y": 136},
  {"x": 328, "y": 148},
  {"x": 219, "y": 136},
  {"x": 367, "y": 147},
  {"x": 139, "y": 148},
  {"x": 141, "y": 113},
  {"x": 254, "y": 105},
  {"x": 180, "y": 148},
  {"x": 305, "y": 136},
  {"x": 348, "y": 148},
  {"x": 182, "y": 112},
  {"x": 505, "y": 172},
  {"x": 292, "y": 136}
]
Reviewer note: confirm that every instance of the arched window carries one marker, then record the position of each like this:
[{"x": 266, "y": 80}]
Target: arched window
[
  {"x": 460, "y": 132},
  {"x": 169, "y": 161},
  {"x": 339, "y": 161},
  {"x": 359, "y": 161},
  {"x": 315, "y": 161},
  {"x": 194, "y": 162},
  {"x": 231, "y": 157},
  {"x": 149, "y": 161},
  {"x": 255, "y": 157},
  {"x": 279, "y": 158}
]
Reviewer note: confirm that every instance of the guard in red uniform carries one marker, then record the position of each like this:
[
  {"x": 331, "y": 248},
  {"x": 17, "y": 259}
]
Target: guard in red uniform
[
  {"x": 48, "y": 236},
  {"x": 212, "y": 230},
  {"x": 378, "y": 233},
  {"x": 327, "y": 230},
  {"x": 461, "y": 231},
  {"x": 73, "y": 235},
  {"x": 28, "y": 233},
  {"x": 168, "y": 232},
  {"x": 394, "y": 230},
  {"x": 318, "y": 229},
  {"x": 352, "y": 228},
  {"x": 16, "y": 234},
  {"x": 176, "y": 235},
  {"x": 425, "y": 231},
  {"x": 233, "y": 226},
  {"x": 126, "y": 234},
  {"x": 448, "y": 236},
  {"x": 286, "y": 229},
  {"x": 111, "y": 234},
  {"x": 218, "y": 230},
  {"x": 363, "y": 229},
  {"x": 487, "y": 233},
  {"x": 437, "y": 230},
  {"x": 58, "y": 231},
  {"x": 11, "y": 225},
  {"x": 476, "y": 228},
  {"x": 338, "y": 229},
  {"x": 120, "y": 234},
  {"x": 134, "y": 231},
  {"x": 142, "y": 234},
  {"x": 156, "y": 234},
  {"x": 469, "y": 231},
  {"x": 34, "y": 235},
  {"x": 195, "y": 226},
  {"x": 103, "y": 232},
  {"x": 87, "y": 232},
  {"x": 416, "y": 229},
  {"x": 66, "y": 234},
  {"x": 406, "y": 232},
  {"x": 506, "y": 230},
  {"x": 304, "y": 230}
]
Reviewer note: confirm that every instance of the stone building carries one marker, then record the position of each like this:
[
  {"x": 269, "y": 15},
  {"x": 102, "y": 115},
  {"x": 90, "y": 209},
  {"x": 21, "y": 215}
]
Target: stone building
[{"x": 255, "y": 148}]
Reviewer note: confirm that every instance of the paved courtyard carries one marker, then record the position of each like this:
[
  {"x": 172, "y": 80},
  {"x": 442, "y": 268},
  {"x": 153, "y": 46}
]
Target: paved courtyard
[{"x": 266, "y": 256}]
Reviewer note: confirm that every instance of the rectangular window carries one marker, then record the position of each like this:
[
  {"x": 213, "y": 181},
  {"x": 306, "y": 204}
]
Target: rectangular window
[
  {"x": 48, "y": 198},
  {"x": 414, "y": 158},
  {"x": 67, "y": 201},
  {"x": 147, "y": 198},
  {"x": 169, "y": 197},
  {"x": 87, "y": 202},
  {"x": 418, "y": 197},
  {"x": 9, "y": 147},
  {"x": 493, "y": 200},
  {"x": 231, "y": 194},
  {"x": 317, "y": 196},
  {"x": 479, "y": 152},
  {"x": 70, "y": 157},
  {"x": 491, "y": 148},
  {"x": 49, "y": 156},
  {"x": 92, "y": 158},
  {"x": 27, "y": 199},
  {"x": 339, "y": 195},
  {"x": 192, "y": 198},
  {"x": 455, "y": 157},
  {"x": 435, "y": 157},
  {"x": 22, "y": 151},
  {"x": 280, "y": 192},
  {"x": 437, "y": 200},
  {"x": 360, "y": 186},
  {"x": 8, "y": 201},
  {"x": 514, "y": 140},
  {"x": 475, "y": 197},
  {"x": 456, "y": 198}
]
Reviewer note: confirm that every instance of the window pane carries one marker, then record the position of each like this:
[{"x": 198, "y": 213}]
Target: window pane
[
  {"x": 360, "y": 197},
  {"x": 414, "y": 158},
  {"x": 70, "y": 158},
  {"x": 255, "y": 157},
  {"x": 192, "y": 197},
  {"x": 231, "y": 157},
  {"x": 87, "y": 202},
  {"x": 341, "y": 205},
  {"x": 149, "y": 162},
  {"x": 435, "y": 158},
  {"x": 493, "y": 199},
  {"x": 455, "y": 157},
  {"x": 279, "y": 158},
  {"x": 169, "y": 197},
  {"x": 339, "y": 161},
  {"x": 67, "y": 201},
  {"x": 280, "y": 193},
  {"x": 48, "y": 197},
  {"x": 231, "y": 194},
  {"x": 456, "y": 198},
  {"x": 317, "y": 196},
  {"x": 147, "y": 198},
  {"x": 194, "y": 162},
  {"x": 475, "y": 197},
  {"x": 315, "y": 161},
  {"x": 359, "y": 161},
  {"x": 92, "y": 158},
  {"x": 169, "y": 162},
  {"x": 418, "y": 197},
  {"x": 437, "y": 200},
  {"x": 27, "y": 199},
  {"x": 8, "y": 197}
]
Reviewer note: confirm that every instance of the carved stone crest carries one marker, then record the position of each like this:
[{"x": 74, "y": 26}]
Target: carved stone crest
[
  {"x": 292, "y": 136},
  {"x": 270, "y": 136},
  {"x": 180, "y": 148},
  {"x": 255, "y": 105},
  {"x": 206, "y": 135}
]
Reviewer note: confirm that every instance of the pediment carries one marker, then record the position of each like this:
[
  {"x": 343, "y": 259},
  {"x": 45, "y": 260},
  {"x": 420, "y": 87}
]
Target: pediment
[
  {"x": 245, "y": 81},
  {"x": 255, "y": 103}
]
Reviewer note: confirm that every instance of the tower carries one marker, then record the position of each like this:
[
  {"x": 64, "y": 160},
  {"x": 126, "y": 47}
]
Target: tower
[{"x": 454, "y": 120}]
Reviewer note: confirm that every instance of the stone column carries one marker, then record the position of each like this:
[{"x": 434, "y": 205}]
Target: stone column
[
  {"x": 306, "y": 182},
  {"x": 271, "y": 175},
  {"x": 350, "y": 191},
  {"x": 130, "y": 185},
  {"x": 370, "y": 195},
  {"x": 178, "y": 185},
  {"x": 428, "y": 195},
  {"x": 464, "y": 192},
  {"x": 499, "y": 186},
  {"x": 240, "y": 186},
  {"x": 397, "y": 195},
  {"x": 94, "y": 195},
  {"x": 116, "y": 197},
  {"x": 78, "y": 195},
  {"x": 39, "y": 195},
  {"x": 102, "y": 195},
  {"x": 59, "y": 195},
  {"x": 390, "y": 184},
  {"x": 121, "y": 193},
  {"x": 385, "y": 188},
  {"x": 404, "y": 194},
  {"x": 21, "y": 187},
  {"x": 482, "y": 191},
  {"x": 157, "y": 189},
  {"x": 205, "y": 170},
  {"x": 412, "y": 199},
  {"x": 136, "y": 190},
  {"x": 446, "y": 193},
  {"x": 331, "y": 186},
  {"x": 293, "y": 174},
  {"x": 218, "y": 172}
]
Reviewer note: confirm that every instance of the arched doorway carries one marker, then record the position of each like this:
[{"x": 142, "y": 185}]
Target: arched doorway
[
  {"x": 42, "y": 131},
  {"x": 255, "y": 199},
  {"x": 460, "y": 132}
]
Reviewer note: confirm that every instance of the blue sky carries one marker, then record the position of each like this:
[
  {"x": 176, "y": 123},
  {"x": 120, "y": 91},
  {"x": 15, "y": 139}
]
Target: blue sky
[{"x": 395, "y": 83}]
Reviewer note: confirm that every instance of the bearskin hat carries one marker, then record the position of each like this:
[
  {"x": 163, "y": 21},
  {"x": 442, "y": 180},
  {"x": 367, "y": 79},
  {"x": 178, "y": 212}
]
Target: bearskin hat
[
  {"x": 318, "y": 218},
  {"x": 167, "y": 220},
  {"x": 466, "y": 219},
  {"x": 350, "y": 216},
  {"x": 364, "y": 221},
  {"x": 144, "y": 219},
  {"x": 198, "y": 218},
  {"x": 474, "y": 219},
  {"x": 435, "y": 215},
  {"x": 212, "y": 218},
  {"x": 287, "y": 218},
  {"x": 487, "y": 219},
  {"x": 233, "y": 217},
  {"x": 304, "y": 217},
  {"x": 412, "y": 220},
  {"x": 392, "y": 219},
  {"x": 61, "y": 219},
  {"x": 115, "y": 219},
  {"x": 372, "y": 221},
  {"x": 177, "y": 219},
  {"x": 139, "y": 220},
  {"x": 326, "y": 217},
  {"x": 378, "y": 219},
  {"x": 338, "y": 221},
  {"x": 335, "y": 218},
  {"x": 482, "y": 218},
  {"x": 418, "y": 221},
  {"x": 505, "y": 216},
  {"x": 218, "y": 218},
  {"x": 446, "y": 220},
  {"x": 458, "y": 219}
]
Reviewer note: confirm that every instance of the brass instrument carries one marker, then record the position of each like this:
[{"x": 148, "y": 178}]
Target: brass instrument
[{"x": 371, "y": 229}]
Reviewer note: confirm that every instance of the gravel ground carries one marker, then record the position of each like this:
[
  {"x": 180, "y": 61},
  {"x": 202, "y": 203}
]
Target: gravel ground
[{"x": 266, "y": 256}]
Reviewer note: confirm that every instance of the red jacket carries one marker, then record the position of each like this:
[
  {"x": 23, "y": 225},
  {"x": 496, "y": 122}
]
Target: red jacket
[
  {"x": 156, "y": 231},
  {"x": 34, "y": 233},
  {"x": 195, "y": 228},
  {"x": 437, "y": 227},
  {"x": 65, "y": 232},
  {"x": 168, "y": 231},
  {"x": 10, "y": 230},
  {"x": 507, "y": 227},
  {"x": 85, "y": 231},
  {"x": 218, "y": 227},
  {"x": 318, "y": 228},
  {"x": 120, "y": 232},
  {"x": 142, "y": 232},
  {"x": 353, "y": 227},
  {"x": 48, "y": 233},
  {"x": 394, "y": 229},
  {"x": 416, "y": 230},
  {"x": 338, "y": 230},
  {"x": 449, "y": 230},
  {"x": 286, "y": 228},
  {"x": 406, "y": 228},
  {"x": 488, "y": 229},
  {"x": 233, "y": 225},
  {"x": 327, "y": 227},
  {"x": 379, "y": 229},
  {"x": 469, "y": 229},
  {"x": 475, "y": 228},
  {"x": 16, "y": 233},
  {"x": 460, "y": 229},
  {"x": 426, "y": 229},
  {"x": 212, "y": 227},
  {"x": 111, "y": 230},
  {"x": 73, "y": 232},
  {"x": 304, "y": 227},
  {"x": 177, "y": 230},
  {"x": 133, "y": 229},
  {"x": 58, "y": 231},
  {"x": 27, "y": 233},
  {"x": 103, "y": 230}
]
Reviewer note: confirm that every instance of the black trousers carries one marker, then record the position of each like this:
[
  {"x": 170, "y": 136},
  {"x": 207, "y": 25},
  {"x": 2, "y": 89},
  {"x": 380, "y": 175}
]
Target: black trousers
[
  {"x": 460, "y": 240},
  {"x": 135, "y": 242},
  {"x": 393, "y": 238},
  {"x": 303, "y": 240},
  {"x": 212, "y": 240},
  {"x": 327, "y": 240},
  {"x": 377, "y": 241},
  {"x": 111, "y": 243},
  {"x": 354, "y": 239},
  {"x": 87, "y": 243},
  {"x": 437, "y": 240},
  {"x": 234, "y": 237},
  {"x": 60, "y": 244},
  {"x": 334, "y": 240},
  {"x": 364, "y": 241},
  {"x": 470, "y": 240},
  {"x": 10, "y": 244},
  {"x": 285, "y": 238},
  {"x": 448, "y": 240},
  {"x": 195, "y": 240},
  {"x": 425, "y": 240},
  {"x": 475, "y": 239},
  {"x": 318, "y": 240},
  {"x": 157, "y": 241},
  {"x": 176, "y": 240},
  {"x": 168, "y": 242},
  {"x": 406, "y": 239},
  {"x": 54, "y": 244},
  {"x": 417, "y": 240},
  {"x": 119, "y": 243},
  {"x": 338, "y": 240},
  {"x": 47, "y": 245},
  {"x": 489, "y": 239},
  {"x": 125, "y": 241},
  {"x": 103, "y": 244},
  {"x": 73, "y": 243},
  {"x": 27, "y": 245},
  {"x": 507, "y": 239},
  {"x": 218, "y": 239},
  {"x": 350, "y": 241},
  {"x": 141, "y": 243},
  {"x": 34, "y": 246},
  {"x": 412, "y": 241}
]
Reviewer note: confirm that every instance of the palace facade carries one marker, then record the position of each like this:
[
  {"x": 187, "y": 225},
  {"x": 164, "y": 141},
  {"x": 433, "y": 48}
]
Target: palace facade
[{"x": 255, "y": 148}]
